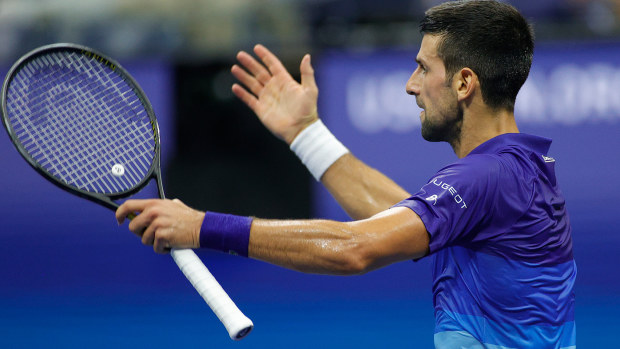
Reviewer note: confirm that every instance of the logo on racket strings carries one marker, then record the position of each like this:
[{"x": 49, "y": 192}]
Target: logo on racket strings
[
  {"x": 100, "y": 59},
  {"x": 118, "y": 170}
]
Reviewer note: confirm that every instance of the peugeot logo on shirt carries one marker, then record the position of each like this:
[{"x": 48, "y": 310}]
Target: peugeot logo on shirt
[
  {"x": 457, "y": 198},
  {"x": 432, "y": 198}
]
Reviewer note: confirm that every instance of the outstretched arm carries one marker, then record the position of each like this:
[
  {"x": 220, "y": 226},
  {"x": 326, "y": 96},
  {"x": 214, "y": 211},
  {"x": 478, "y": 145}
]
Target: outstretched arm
[
  {"x": 287, "y": 108},
  {"x": 329, "y": 247},
  {"x": 312, "y": 246}
]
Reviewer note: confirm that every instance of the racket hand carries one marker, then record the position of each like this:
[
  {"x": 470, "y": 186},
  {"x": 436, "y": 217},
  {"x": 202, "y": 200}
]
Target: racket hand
[
  {"x": 282, "y": 104},
  {"x": 164, "y": 224}
]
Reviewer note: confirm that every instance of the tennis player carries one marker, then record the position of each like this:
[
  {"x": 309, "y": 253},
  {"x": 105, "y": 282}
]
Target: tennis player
[{"x": 494, "y": 221}]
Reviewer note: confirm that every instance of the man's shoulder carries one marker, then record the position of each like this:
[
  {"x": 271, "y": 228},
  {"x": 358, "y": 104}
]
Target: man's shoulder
[
  {"x": 474, "y": 166},
  {"x": 488, "y": 176}
]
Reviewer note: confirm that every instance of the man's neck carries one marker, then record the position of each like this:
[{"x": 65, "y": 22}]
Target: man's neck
[{"x": 480, "y": 126}]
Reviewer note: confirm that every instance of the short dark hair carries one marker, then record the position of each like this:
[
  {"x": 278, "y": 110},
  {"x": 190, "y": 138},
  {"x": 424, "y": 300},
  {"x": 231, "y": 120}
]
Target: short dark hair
[{"x": 489, "y": 37}]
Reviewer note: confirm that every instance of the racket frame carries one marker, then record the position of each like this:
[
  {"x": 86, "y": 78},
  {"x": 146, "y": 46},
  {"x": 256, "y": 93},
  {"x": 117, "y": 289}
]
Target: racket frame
[{"x": 106, "y": 200}]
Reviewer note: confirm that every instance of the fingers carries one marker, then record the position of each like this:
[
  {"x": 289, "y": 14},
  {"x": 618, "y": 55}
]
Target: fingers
[
  {"x": 129, "y": 208},
  {"x": 144, "y": 220},
  {"x": 159, "y": 236},
  {"x": 258, "y": 71},
  {"x": 249, "y": 99},
  {"x": 271, "y": 61},
  {"x": 247, "y": 80},
  {"x": 254, "y": 77},
  {"x": 143, "y": 212},
  {"x": 307, "y": 73}
]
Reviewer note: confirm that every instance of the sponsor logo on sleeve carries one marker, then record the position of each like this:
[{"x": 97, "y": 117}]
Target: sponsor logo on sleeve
[
  {"x": 451, "y": 190},
  {"x": 432, "y": 198}
]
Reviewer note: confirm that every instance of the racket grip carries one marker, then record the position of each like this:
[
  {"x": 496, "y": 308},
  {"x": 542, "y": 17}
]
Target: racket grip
[{"x": 237, "y": 324}]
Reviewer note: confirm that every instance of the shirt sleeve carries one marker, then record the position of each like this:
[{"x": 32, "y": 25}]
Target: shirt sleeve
[{"x": 457, "y": 200}]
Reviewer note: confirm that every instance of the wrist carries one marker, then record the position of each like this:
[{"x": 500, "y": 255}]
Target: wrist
[
  {"x": 317, "y": 148},
  {"x": 225, "y": 232},
  {"x": 290, "y": 138}
]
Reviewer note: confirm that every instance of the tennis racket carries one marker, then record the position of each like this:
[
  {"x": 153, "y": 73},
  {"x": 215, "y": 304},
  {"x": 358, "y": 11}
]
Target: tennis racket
[{"x": 82, "y": 122}]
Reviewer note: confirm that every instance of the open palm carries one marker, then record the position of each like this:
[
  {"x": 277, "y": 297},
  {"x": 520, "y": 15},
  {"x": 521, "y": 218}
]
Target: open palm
[{"x": 282, "y": 104}]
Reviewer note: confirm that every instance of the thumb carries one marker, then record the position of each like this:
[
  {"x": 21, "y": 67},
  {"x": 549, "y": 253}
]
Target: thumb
[{"x": 307, "y": 73}]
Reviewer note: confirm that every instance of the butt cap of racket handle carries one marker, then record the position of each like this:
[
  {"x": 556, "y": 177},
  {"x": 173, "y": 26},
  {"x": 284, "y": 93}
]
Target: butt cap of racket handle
[
  {"x": 237, "y": 324},
  {"x": 241, "y": 329}
]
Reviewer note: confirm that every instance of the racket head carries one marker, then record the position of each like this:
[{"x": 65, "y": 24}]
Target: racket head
[{"x": 81, "y": 120}]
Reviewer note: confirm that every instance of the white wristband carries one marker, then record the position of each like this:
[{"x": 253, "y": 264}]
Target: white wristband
[{"x": 317, "y": 148}]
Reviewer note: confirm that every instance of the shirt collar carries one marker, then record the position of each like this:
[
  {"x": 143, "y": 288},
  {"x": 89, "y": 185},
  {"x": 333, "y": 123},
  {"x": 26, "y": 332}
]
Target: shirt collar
[{"x": 537, "y": 144}]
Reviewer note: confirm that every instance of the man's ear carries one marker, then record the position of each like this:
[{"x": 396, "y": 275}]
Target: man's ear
[{"x": 465, "y": 83}]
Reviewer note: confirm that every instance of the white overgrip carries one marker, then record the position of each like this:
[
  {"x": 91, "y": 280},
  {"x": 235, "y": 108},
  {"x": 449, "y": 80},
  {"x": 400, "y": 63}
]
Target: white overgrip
[{"x": 237, "y": 324}]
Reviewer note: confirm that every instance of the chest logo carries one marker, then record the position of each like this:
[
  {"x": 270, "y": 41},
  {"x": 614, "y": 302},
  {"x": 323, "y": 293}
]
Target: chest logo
[{"x": 548, "y": 158}]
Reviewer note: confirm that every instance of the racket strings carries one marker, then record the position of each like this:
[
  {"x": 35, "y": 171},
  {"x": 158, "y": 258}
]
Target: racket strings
[
  {"x": 98, "y": 129},
  {"x": 77, "y": 118},
  {"x": 94, "y": 171},
  {"x": 73, "y": 146}
]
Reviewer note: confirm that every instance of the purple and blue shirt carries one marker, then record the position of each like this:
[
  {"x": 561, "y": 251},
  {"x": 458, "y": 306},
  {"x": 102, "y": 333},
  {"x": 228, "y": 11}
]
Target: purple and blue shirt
[{"x": 503, "y": 271}]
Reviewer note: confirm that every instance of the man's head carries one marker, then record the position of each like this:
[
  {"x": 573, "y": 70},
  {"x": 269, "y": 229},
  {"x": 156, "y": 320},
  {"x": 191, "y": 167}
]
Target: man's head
[
  {"x": 491, "y": 38},
  {"x": 488, "y": 39}
]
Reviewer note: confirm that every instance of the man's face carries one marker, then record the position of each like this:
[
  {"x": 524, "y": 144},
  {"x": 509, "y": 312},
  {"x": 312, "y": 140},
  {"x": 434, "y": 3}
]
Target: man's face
[{"x": 441, "y": 116}]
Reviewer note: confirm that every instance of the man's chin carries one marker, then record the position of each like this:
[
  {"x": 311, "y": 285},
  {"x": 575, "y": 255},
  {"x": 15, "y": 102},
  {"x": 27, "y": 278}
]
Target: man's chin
[
  {"x": 446, "y": 132},
  {"x": 430, "y": 134},
  {"x": 431, "y": 138}
]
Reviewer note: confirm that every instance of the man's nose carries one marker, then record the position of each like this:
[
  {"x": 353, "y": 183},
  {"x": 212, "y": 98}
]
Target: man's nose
[{"x": 413, "y": 85}]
